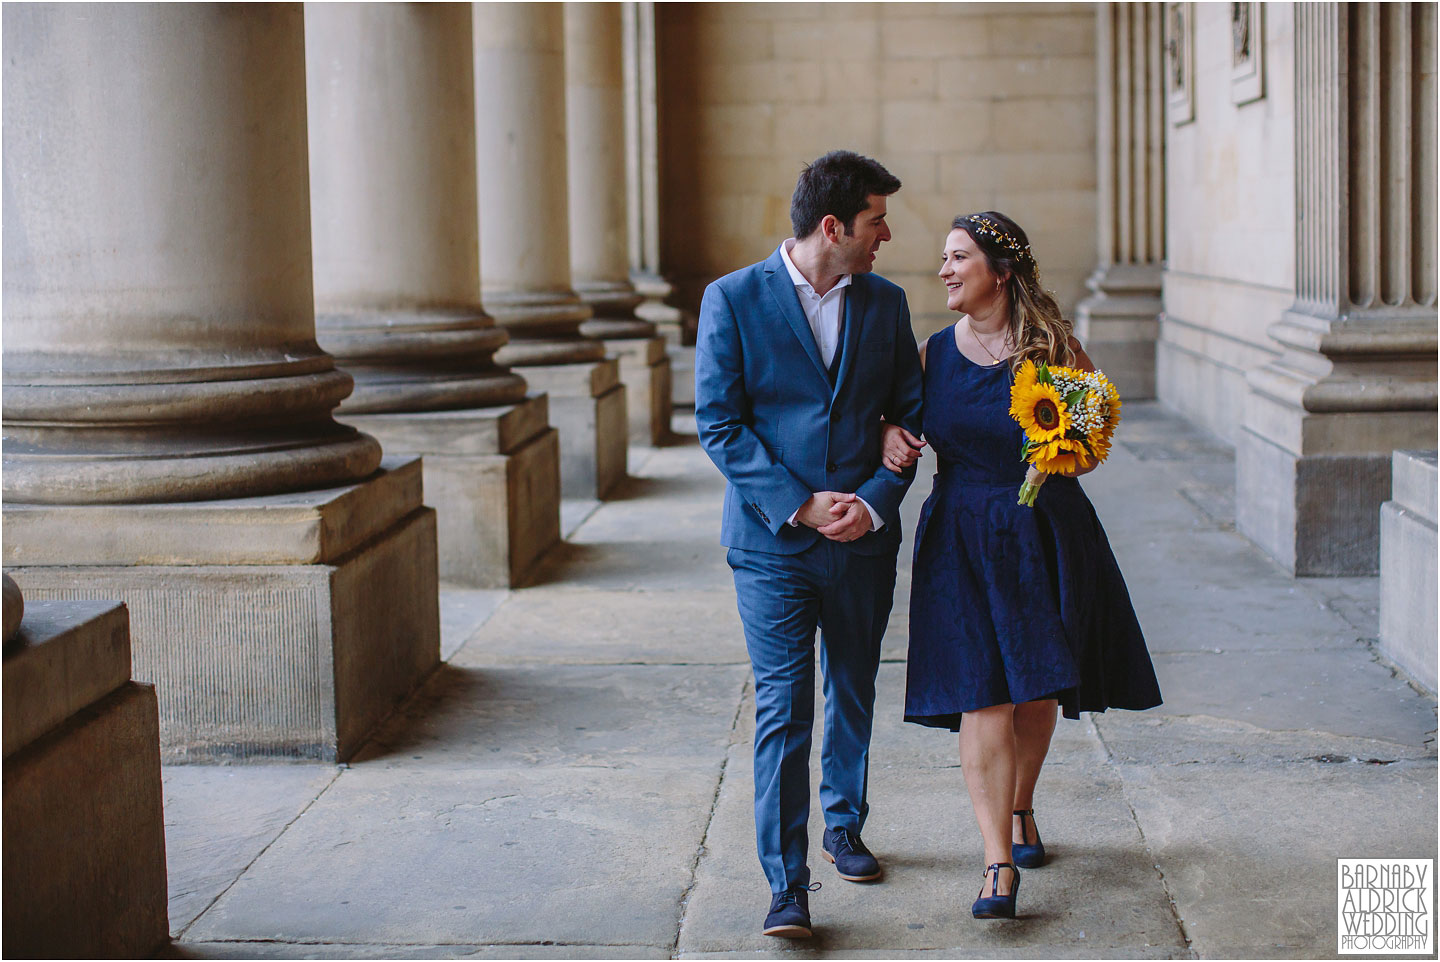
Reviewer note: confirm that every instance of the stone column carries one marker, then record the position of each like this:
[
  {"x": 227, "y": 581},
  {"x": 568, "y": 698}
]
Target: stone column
[
  {"x": 1356, "y": 374},
  {"x": 520, "y": 163},
  {"x": 642, "y": 170},
  {"x": 391, "y": 105},
  {"x": 169, "y": 439},
  {"x": 1119, "y": 322},
  {"x": 599, "y": 208},
  {"x": 84, "y": 831}
]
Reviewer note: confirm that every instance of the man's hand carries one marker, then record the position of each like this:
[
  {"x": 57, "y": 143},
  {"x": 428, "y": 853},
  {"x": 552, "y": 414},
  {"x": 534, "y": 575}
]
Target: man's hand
[
  {"x": 851, "y": 521},
  {"x": 899, "y": 448},
  {"x": 820, "y": 509}
]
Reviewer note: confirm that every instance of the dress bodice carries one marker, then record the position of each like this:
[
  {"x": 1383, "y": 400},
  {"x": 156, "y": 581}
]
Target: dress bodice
[{"x": 967, "y": 415}]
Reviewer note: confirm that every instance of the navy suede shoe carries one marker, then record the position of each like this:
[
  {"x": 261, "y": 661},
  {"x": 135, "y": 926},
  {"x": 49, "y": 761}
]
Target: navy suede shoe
[
  {"x": 789, "y": 916},
  {"x": 852, "y": 859},
  {"x": 1028, "y": 855}
]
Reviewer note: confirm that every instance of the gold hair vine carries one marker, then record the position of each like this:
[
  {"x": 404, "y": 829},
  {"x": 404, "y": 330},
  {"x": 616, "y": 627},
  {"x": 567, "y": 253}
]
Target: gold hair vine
[{"x": 983, "y": 225}]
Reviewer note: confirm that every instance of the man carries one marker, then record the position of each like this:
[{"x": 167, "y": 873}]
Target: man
[{"x": 797, "y": 360}]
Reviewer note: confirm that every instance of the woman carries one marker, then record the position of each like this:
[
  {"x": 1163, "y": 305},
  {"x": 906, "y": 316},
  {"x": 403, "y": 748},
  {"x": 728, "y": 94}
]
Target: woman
[{"x": 1013, "y": 610}]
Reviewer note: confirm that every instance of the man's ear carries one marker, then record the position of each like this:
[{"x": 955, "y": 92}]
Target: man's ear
[{"x": 831, "y": 228}]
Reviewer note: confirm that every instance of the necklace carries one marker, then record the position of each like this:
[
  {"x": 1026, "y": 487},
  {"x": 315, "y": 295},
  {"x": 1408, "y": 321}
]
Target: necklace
[{"x": 987, "y": 350}]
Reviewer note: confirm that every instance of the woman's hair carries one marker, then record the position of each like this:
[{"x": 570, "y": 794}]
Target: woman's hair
[{"x": 1037, "y": 328}]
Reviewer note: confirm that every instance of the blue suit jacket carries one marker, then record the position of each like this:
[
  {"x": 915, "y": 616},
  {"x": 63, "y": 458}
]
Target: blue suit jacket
[{"x": 770, "y": 419}]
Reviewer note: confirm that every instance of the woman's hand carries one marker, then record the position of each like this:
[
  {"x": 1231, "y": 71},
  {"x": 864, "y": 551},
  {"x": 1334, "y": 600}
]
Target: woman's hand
[{"x": 899, "y": 448}]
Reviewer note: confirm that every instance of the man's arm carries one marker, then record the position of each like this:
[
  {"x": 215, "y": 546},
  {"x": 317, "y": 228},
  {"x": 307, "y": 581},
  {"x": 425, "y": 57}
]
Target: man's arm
[
  {"x": 885, "y": 489},
  {"x": 722, "y": 414}
]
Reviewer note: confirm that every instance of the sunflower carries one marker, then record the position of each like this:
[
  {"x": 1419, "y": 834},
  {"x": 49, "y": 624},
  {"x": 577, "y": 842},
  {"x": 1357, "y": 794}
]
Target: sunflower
[
  {"x": 1062, "y": 455},
  {"x": 1040, "y": 411},
  {"x": 1025, "y": 377}
]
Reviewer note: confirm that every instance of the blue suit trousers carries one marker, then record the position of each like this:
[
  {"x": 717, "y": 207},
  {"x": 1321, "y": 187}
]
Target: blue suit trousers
[{"x": 783, "y": 599}]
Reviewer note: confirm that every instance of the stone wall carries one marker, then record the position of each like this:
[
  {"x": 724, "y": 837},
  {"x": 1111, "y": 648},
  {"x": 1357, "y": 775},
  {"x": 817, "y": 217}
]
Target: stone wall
[
  {"x": 973, "y": 106},
  {"x": 1230, "y": 269}
]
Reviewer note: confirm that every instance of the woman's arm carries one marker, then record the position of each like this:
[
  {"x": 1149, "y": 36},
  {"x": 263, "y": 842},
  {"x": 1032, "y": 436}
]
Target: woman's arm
[{"x": 898, "y": 447}]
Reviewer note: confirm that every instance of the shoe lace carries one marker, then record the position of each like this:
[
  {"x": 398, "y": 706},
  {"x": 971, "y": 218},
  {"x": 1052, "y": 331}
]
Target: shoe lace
[
  {"x": 790, "y": 896},
  {"x": 845, "y": 842}
]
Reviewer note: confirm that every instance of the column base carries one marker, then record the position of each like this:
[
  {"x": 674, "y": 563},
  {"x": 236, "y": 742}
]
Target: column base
[
  {"x": 493, "y": 476},
  {"x": 1408, "y": 567},
  {"x": 682, "y": 376},
  {"x": 645, "y": 370},
  {"x": 587, "y": 407},
  {"x": 1314, "y": 514},
  {"x": 84, "y": 828},
  {"x": 1119, "y": 323},
  {"x": 285, "y": 626}
]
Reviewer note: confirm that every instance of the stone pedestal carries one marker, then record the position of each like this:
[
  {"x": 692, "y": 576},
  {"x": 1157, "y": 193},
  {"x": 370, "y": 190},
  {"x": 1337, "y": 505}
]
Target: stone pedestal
[
  {"x": 1355, "y": 378},
  {"x": 84, "y": 830},
  {"x": 493, "y": 476},
  {"x": 1408, "y": 567},
  {"x": 277, "y": 626},
  {"x": 645, "y": 369},
  {"x": 1119, "y": 322},
  {"x": 587, "y": 407}
]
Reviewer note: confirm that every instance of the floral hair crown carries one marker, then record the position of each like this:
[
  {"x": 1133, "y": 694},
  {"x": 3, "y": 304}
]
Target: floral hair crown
[{"x": 984, "y": 225}]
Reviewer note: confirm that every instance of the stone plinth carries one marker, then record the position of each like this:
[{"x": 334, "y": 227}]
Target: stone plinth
[
  {"x": 283, "y": 625},
  {"x": 493, "y": 474},
  {"x": 84, "y": 830},
  {"x": 1408, "y": 569},
  {"x": 645, "y": 369},
  {"x": 587, "y": 406},
  {"x": 1118, "y": 325}
]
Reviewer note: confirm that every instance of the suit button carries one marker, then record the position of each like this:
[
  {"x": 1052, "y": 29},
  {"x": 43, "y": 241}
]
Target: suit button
[
  {"x": 834, "y": 415},
  {"x": 832, "y": 467}
]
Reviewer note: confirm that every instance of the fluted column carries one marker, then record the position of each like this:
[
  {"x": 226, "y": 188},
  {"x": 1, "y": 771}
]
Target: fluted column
[
  {"x": 642, "y": 148},
  {"x": 520, "y": 161},
  {"x": 599, "y": 212},
  {"x": 169, "y": 439},
  {"x": 397, "y": 280},
  {"x": 1356, "y": 374},
  {"x": 393, "y": 210},
  {"x": 595, "y": 140},
  {"x": 1119, "y": 321},
  {"x": 159, "y": 332}
]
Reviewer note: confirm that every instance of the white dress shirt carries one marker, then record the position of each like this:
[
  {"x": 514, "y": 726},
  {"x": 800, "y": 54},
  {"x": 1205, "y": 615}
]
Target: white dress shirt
[{"x": 823, "y": 312}]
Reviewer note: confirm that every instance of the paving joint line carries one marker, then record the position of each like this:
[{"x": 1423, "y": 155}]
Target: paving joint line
[
  {"x": 709, "y": 821},
  {"x": 339, "y": 769},
  {"x": 1135, "y": 820}
]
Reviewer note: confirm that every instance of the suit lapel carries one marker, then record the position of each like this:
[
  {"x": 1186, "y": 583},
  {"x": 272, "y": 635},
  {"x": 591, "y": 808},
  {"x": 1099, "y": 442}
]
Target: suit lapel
[
  {"x": 854, "y": 321},
  {"x": 782, "y": 289}
]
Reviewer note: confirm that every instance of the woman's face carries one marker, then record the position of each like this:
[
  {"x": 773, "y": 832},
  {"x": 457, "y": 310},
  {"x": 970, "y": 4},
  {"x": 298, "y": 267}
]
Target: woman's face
[{"x": 970, "y": 284}]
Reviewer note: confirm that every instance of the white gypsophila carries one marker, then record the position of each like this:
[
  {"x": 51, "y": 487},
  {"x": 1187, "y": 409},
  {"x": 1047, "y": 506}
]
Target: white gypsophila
[{"x": 1090, "y": 412}]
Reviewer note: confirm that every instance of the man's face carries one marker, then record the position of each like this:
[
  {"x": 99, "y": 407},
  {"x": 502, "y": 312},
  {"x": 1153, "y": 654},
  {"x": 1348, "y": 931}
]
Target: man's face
[{"x": 868, "y": 233}]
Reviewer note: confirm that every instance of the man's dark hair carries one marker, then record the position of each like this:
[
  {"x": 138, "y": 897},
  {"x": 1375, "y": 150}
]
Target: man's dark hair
[{"x": 840, "y": 183}]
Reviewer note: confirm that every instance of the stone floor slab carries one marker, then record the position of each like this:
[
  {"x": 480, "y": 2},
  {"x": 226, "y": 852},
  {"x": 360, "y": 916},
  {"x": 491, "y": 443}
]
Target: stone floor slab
[
  {"x": 218, "y": 819},
  {"x": 1266, "y": 838},
  {"x": 364, "y": 950},
  {"x": 1339, "y": 691},
  {"x": 462, "y": 612},
  {"x": 591, "y": 717},
  {"x": 1100, "y": 880},
  {"x": 582, "y": 626},
  {"x": 474, "y": 857}
]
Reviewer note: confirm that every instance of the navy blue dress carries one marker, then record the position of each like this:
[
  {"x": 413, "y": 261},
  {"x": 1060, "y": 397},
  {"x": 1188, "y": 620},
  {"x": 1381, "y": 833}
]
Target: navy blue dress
[{"x": 1009, "y": 604}]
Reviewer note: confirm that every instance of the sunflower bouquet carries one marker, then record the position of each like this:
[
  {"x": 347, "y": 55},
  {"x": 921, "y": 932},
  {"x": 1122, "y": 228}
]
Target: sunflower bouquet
[{"x": 1068, "y": 416}]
